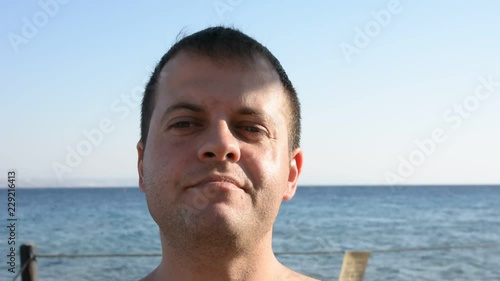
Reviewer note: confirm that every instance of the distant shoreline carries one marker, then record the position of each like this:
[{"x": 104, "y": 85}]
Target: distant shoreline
[{"x": 300, "y": 186}]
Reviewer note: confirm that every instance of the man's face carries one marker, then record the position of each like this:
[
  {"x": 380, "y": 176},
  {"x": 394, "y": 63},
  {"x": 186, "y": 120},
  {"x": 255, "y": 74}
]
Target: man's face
[{"x": 217, "y": 164}]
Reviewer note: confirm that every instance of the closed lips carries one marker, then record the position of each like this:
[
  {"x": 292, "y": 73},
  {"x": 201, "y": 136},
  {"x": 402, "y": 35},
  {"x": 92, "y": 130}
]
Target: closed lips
[{"x": 218, "y": 179}]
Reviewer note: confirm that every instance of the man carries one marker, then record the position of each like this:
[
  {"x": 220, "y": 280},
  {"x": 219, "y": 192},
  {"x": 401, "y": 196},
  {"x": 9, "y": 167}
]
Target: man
[{"x": 219, "y": 152}]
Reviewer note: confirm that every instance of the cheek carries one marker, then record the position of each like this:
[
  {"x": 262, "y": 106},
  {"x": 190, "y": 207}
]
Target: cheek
[
  {"x": 269, "y": 169},
  {"x": 270, "y": 180},
  {"x": 168, "y": 166},
  {"x": 160, "y": 172},
  {"x": 163, "y": 156},
  {"x": 160, "y": 181}
]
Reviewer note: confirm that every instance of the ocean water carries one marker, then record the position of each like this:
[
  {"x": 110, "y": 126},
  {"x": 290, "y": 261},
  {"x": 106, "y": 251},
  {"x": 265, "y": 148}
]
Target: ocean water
[{"x": 116, "y": 220}]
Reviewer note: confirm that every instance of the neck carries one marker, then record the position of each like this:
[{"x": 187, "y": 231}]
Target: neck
[{"x": 255, "y": 261}]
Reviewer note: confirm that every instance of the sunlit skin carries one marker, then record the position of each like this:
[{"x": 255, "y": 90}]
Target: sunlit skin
[{"x": 216, "y": 167}]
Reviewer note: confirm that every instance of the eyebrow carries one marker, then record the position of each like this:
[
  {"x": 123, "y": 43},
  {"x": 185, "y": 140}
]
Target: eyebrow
[
  {"x": 182, "y": 106},
  {"x": 199, "y": 109},
  {"x": 251, "y": 111},
  {"x": 261, "y": 114}
]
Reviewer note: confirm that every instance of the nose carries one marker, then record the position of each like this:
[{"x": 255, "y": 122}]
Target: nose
[{"x": 219, "y": 145}]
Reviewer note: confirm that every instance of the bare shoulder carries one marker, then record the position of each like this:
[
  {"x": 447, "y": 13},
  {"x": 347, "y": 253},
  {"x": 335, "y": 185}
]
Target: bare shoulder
[
  {"x": 149, "y": 277},
  {"x": 295, "y": 276}
]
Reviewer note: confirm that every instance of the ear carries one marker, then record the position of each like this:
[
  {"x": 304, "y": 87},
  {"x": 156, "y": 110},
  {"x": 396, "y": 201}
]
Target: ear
[
  {"x": 140, "y": 166},
  {"x": 293, "y": 174}
]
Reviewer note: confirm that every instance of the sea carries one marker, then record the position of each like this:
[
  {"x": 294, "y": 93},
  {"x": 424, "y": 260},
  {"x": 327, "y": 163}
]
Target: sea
[{"x": 430, "y": 232}]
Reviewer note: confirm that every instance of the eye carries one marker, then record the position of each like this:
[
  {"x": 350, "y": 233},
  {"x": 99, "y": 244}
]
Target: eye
[
  {"x": 252, "y": 132},
  {"x": 252, "y": 129},
  {"x": 182, "y": 125}
]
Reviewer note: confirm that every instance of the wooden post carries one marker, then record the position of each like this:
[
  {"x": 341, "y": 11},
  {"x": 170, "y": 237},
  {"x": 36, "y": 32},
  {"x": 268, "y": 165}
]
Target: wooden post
[
  {"x": 354, "y": 266},
  {"x": 28, "y": 262}
]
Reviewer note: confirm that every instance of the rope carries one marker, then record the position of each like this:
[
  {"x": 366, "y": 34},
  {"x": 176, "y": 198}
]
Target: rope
[
  {"x": 23, "y": 268},
  {"x": 52, "y": 256},
  {"x": 393, "y": 250},
  {"x": 442, "y": 248}
]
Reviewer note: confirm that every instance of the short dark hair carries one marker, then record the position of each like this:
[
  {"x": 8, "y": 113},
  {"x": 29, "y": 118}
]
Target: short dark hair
[{"x": 220, "y": 43}]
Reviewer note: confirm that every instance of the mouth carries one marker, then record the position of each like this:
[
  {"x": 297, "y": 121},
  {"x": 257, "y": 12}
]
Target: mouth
[{"x": 218, "y": 182}]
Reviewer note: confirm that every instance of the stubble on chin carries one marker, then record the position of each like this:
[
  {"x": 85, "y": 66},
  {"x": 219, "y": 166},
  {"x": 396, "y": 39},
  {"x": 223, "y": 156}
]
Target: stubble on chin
[
  {"x": 189, "y": 223},
  {"x": 193, "y": 222}
]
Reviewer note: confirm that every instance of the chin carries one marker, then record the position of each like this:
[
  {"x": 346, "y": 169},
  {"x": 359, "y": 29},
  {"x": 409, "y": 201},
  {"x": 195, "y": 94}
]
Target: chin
[{"x": 218, "y": 221}]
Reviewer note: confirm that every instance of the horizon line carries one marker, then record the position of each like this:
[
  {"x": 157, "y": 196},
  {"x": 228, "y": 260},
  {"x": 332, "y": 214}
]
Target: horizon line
[{"x": 299, "y": 186}]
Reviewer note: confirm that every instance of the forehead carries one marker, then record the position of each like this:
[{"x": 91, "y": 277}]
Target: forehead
[{"x": 191, "y": 77}]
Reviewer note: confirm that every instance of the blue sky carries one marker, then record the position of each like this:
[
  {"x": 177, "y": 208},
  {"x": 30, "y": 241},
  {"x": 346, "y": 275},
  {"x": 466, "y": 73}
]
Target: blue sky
[{"x": 392, "y": 92}]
